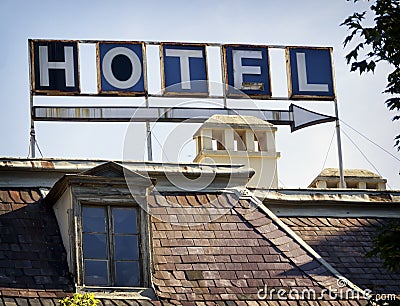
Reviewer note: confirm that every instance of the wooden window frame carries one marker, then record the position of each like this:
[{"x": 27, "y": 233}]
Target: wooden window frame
[{"x": 143, "y": 220}]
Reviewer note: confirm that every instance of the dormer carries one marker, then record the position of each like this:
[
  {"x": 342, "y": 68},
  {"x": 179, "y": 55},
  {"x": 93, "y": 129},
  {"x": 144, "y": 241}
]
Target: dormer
[{"x": 105, "y": 229}]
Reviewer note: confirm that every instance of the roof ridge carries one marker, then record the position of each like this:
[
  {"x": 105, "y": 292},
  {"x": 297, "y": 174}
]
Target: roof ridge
[{"x": 244, "y": 193}]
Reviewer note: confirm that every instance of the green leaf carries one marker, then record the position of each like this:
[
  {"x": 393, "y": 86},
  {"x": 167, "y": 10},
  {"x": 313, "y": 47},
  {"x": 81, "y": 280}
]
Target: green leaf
[
  {"x": 393, "y": 103},
  {"x": 371, "y": 66}
]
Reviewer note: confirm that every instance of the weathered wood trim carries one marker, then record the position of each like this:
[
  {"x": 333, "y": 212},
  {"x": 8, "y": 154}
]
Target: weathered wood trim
[
  {"x": 145, "y": 249},
  {"x": 77, "y": 212},
  {"x": 110, "y": 243}
]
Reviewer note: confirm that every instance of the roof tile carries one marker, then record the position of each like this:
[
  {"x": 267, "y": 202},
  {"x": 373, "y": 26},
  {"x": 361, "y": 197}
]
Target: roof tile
[
  {"x": 35, "y": 195},
  {"x": 5, "y": 196},
  {"x": 26, "y": 197},
  {"x": 15, "y": 196}
]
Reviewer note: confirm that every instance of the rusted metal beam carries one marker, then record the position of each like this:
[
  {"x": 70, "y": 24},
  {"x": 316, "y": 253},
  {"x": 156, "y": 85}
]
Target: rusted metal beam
[
  {"x": 153, "y": 42},
  {"x": 152, "y": 114},
  {"x": 297, "y": 117}
]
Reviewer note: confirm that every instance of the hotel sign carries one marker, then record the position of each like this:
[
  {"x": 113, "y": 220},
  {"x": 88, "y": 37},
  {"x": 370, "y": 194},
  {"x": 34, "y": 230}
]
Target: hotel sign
[{"x": 121, "y": 70}]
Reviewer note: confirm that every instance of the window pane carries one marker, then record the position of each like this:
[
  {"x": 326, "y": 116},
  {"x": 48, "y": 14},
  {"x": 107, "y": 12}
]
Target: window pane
[
  {"x": 93, "y": 219},
  {"x": 94, "y": 246},
  {"x": 125, "y": 221},
  {"x": 127, "y": 273},
  {"x": 126, "y": 247},
  {"x": 96, "y": 273}
]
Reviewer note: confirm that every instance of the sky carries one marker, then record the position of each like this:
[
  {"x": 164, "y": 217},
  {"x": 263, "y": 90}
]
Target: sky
[{"x": 304, "y": 153}]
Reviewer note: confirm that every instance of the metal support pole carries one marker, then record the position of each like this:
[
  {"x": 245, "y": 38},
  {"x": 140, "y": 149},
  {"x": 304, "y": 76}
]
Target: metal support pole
[
  {"x": 32, "y": 131},
  {"x": 148, "y": 135},
  {"x": 32, "y": 142},
  {"x": 339, "y": 145},
  {"x": 146, "y": 97},
  {"x": 149, "y": 143},
  {"x": 222, "y": 57}
]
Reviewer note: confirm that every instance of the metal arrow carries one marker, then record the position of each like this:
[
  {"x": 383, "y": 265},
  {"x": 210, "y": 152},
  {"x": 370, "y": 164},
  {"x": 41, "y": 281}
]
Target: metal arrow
[{"x": 297, "y": 117}]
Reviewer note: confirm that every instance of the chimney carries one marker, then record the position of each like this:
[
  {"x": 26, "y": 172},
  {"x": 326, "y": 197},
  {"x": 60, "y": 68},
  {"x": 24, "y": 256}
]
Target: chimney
[
  {"x": 246, "y": 140},
  {"x": 354, "y": 178}
]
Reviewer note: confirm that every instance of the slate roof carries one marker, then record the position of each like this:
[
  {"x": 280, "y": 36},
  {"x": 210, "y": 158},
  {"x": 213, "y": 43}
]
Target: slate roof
[
  {"x": 343, "y": 242},
  {"x": 199, "y": 258},
  {"x": 32, "y": 255},
  {"x": 231, "y": 257}
]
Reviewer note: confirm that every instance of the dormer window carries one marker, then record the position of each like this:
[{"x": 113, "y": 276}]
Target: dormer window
[
  {"x": 110, "y": 238},
  {"x": 104, "y": 229}
]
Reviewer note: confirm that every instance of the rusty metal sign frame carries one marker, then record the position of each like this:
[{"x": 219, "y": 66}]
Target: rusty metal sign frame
[{"x": 180, "y": 94}]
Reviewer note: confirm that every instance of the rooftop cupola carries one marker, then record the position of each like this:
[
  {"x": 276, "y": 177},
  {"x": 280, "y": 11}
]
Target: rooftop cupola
[
  {"x": 243, "y": 140},
  {"x": 354, "y": 178}
]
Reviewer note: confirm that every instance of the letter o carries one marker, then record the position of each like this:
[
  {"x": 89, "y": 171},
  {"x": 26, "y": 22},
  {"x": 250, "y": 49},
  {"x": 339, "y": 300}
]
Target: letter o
[{"x": 136, "y": 68}]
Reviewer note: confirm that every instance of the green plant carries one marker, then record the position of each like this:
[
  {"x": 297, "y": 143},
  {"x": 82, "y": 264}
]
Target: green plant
[
  {"x": 380, "y": 42},
  {"x": 386, "y": 245},
  {"x": 86, "y": 299}
]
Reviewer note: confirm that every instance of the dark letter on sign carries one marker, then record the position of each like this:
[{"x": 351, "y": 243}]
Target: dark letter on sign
[{"x": 55, "y": 66}]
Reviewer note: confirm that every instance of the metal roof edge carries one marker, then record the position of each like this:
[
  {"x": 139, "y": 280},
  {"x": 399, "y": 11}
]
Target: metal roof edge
[
  {"x": 80, "y": 165},
  {"x": 329, "y": 195},
  {"x": 48, "y": 164}
]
